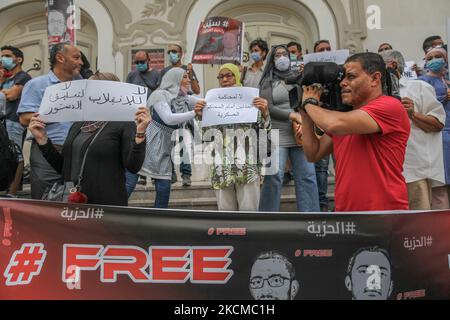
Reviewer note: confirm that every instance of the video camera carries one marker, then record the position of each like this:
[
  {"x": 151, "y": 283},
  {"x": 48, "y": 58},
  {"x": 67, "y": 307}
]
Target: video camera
[{"x": 330, "y": 75}]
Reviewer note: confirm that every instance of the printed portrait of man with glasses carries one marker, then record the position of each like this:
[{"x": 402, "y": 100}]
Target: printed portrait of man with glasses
[{"x": 273, "y": 277}]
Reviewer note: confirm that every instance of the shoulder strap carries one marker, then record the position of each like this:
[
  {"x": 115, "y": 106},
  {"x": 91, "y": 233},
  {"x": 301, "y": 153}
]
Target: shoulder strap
[{"x": 80, "y": 177}]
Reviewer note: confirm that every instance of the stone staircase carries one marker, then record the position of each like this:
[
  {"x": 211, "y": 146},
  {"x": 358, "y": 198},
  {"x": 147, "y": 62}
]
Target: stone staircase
[{"x": 199, "y": 196}]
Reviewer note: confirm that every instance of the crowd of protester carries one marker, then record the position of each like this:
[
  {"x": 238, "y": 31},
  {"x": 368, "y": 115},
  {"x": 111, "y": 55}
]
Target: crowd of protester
[{"x": 398, "y": 151}]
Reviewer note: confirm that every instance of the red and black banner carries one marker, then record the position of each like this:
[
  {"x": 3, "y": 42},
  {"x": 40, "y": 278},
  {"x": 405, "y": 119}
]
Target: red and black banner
[{"x": 60, "y": 251}]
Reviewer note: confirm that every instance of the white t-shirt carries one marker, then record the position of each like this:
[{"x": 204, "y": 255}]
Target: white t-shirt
[{"x": 424, "y": 153}]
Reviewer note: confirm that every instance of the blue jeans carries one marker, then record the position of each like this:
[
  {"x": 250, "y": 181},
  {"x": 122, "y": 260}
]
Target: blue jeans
[
  {"x": 322, "y": 179},
  {"x": 162, "y": 193},
  {"x": 130, "y": 182},
  {"x": 307, "y": 197}
]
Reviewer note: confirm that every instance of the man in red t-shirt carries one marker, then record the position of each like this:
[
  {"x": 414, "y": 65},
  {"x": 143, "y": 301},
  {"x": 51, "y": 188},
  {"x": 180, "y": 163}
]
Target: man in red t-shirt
[{"x": 369, "y": 142}]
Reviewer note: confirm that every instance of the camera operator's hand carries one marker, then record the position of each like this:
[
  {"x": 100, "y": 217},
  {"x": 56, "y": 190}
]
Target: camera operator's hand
[
  {"x": 298, "y": 130},
  {"x": 409, "y": 106},
  {"x": 301, "y": 67},
  {"x": 296, "y": 117},
  {"x": 262, "y": 105},
  {"x": 199, "y": 109},
  {"x": 313, "y": 91}
]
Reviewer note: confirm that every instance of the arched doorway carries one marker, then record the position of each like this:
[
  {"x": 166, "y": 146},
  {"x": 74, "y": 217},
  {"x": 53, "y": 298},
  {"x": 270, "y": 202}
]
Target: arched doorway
[
  {"x": 24, "y": 25},
  {"x": 277, "y": 23}
]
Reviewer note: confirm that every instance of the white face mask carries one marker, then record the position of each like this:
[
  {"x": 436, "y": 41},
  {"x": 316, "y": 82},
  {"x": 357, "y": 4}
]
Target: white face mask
[
  {"x": 282, "y": 63},
  {"x": 183, "y": 91}
]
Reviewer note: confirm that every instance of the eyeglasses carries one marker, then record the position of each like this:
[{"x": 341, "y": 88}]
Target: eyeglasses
[
  {"x": 140, "y": 62},
  {"x": 228, "y": 75},
  {"x": 274, "y": 281},
  {"x": 172, "y": 51}
]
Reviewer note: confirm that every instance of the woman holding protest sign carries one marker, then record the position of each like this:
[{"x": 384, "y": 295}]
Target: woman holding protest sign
[
  {"x": 237, "y": 181},
  {"x": 172, "y": 95},
  {"x": 96, "y": 154},
  {"x": 274, "y": 88}
]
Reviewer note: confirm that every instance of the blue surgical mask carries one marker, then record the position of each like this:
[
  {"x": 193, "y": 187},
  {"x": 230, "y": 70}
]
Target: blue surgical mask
[
  {"x": 436, "y": 65},
  {"x": 8, "y": 63},
  {"x": 174, "y": 57},
  {"x": 142, "y": 67},
  {"x": 283, "y": 63},
  {"x": 293, "y": 57},
  {"x": 256, "y": 56}
]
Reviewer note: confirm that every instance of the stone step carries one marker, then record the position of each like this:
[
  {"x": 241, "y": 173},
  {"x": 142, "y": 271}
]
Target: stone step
[
  {"x": 199, "y": 196},
  {"x": 197, "y": 190},
  {"x": 288, "y": 203}
]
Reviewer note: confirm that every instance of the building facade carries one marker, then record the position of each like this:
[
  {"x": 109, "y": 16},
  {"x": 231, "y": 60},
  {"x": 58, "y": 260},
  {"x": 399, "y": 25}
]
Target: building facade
[{"x": 110, "y": 30}]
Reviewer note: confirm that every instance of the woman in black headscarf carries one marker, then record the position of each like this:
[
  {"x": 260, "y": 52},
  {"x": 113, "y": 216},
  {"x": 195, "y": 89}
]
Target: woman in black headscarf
[{"x": 276, "y": 92}]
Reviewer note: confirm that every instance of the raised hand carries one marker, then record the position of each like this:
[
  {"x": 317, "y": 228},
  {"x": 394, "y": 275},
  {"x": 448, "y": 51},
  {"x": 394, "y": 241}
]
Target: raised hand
[
  {"x": 142, "y": 119},
  {"x": 262, "y": 105},
  {"x": 199, "y": 109},
  {"x": 38, "y": 129}
]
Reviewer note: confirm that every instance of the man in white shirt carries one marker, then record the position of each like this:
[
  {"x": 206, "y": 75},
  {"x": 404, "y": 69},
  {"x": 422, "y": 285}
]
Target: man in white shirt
[{"x": 424, "y": 162}]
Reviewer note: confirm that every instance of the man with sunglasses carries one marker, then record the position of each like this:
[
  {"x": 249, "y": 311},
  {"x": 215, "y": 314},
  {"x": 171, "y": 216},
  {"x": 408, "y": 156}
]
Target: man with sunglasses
[
  {"x": 143, "y": 75},
  {"x": 273, "y": 278},
  {"x": 175, "y": 53}
]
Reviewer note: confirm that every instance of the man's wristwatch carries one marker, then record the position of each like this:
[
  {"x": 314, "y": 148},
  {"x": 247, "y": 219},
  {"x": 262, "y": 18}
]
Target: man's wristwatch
[{"x": 309, "y": 101}]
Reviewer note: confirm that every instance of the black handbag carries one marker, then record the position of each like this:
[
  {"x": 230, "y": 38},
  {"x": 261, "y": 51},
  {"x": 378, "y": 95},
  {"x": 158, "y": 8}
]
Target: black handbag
[{"x": 60, "y": 191}]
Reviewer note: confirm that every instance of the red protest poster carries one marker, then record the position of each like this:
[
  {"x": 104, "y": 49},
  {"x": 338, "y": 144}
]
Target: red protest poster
[{"x": 219, "y": 41}]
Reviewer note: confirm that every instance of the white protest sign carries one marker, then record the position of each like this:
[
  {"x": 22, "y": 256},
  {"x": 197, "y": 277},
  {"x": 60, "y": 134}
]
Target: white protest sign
[
  {"x": 338, "y": 57},
  {"x": 230, "y": 106},
  {"x": 409, "y": 73},
  {"x": 92, "y": 100}
]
